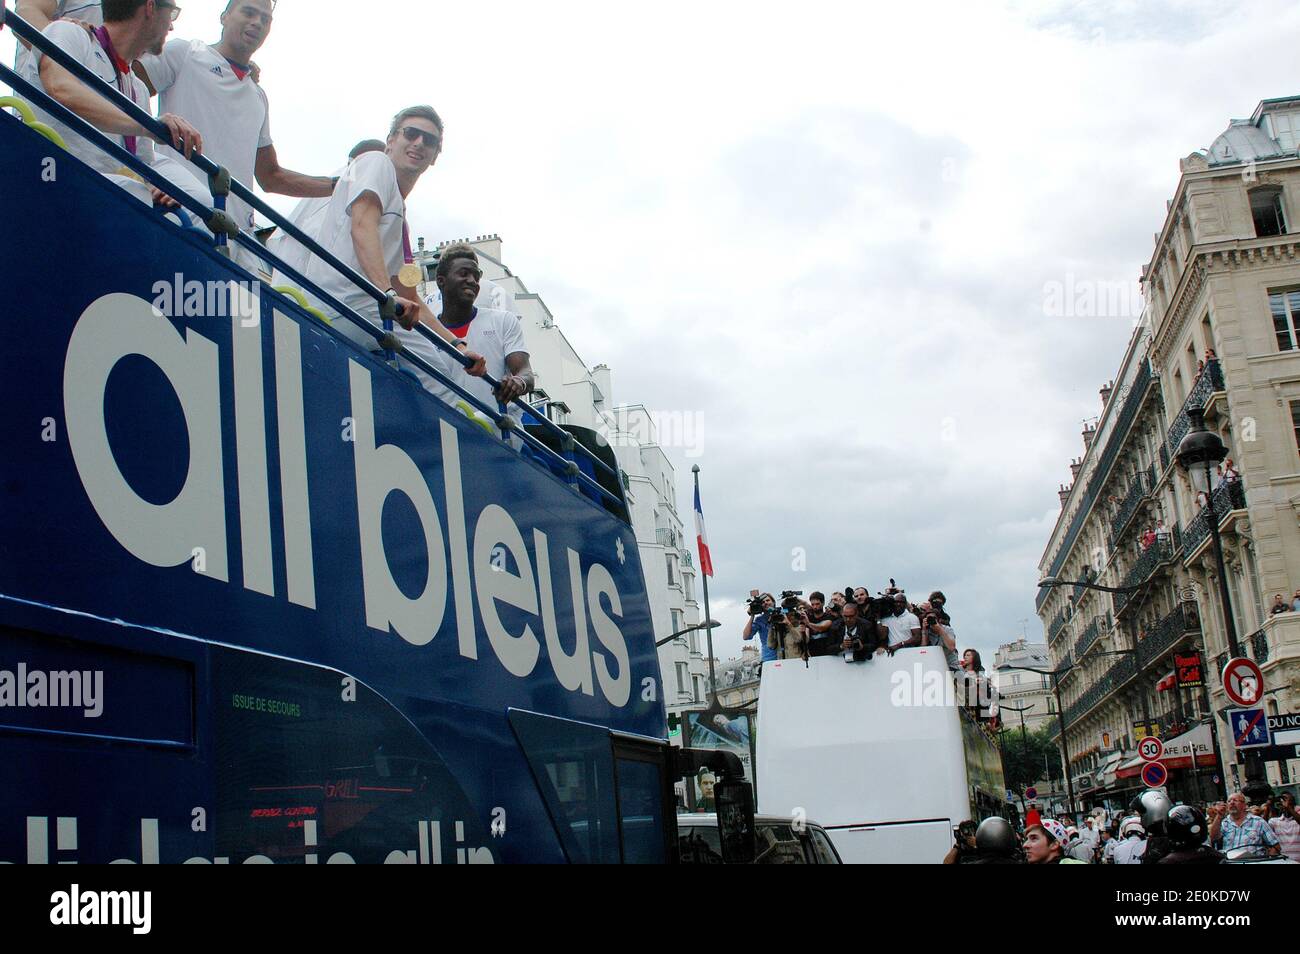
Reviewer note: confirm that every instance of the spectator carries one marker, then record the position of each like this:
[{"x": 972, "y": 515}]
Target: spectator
[
  {"x": 131, "y": 28},
  {"x": 494, "y": 334},
  {"x": 1032, "y": 816},
  {"x": 1132, "y": 844},
  {"x": 307, "y": 215},
  {"x": 211, "y": 87},
  {"x": 1230, "y": 471},
  {"x": 1295, "y": 602},
  {"x": 364, "y": 227},
  {"x": 904, "y": 628},
  {"x": 1279, "y": 606},
  {"x": 1233, "y": 827},
  {"x": 41, "y": 13},
  {"x": 1286, "y": 825},
  {"x": 1091, "y": 834},
  {"x": 1044, "y": 844},
  {"x": 757, "y": 624},
  {"x": 1106, "y": 847},
  {"x": 1148, "y": 538},
  {"x": 1077, "y": 848}
]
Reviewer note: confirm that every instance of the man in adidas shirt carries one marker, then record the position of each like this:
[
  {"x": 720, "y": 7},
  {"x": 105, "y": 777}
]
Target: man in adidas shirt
[
  {"x": 211, "y": 86},
  {"x": 365, "y": 228},
  {"x": 494, "y": 334}
]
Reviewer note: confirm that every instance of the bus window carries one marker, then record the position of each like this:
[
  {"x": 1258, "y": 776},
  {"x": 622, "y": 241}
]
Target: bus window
[
  {"x": 641, "y": 811},
  {"x": 573, "y": 765},
  {"x": 779, "y": 845},
  {"x": 699, "y": 845},
  {"x": 822, "y": 849}
]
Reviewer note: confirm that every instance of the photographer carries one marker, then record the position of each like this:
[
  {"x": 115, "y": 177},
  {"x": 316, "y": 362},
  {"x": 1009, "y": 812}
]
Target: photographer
[
  {"x": 935, "y": 632},
  {"x": 785, "y": 633},
  {"x": 853, "y": 634},
  {"x": 760, "y": 612},
  {"x": 818, "y": 626}
]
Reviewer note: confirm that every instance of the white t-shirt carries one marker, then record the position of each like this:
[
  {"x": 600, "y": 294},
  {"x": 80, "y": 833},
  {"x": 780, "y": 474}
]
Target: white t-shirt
[
  {"x": 86, "y": 50},
  {"x": 375, "y": 174},
  {"x": 495, "y": 335},
  {"x": 307, "y": 215},
  {"x": 900, "y": 627},
  {"x": 232, "y": 115},
  {"x": 88, "y": 11}
]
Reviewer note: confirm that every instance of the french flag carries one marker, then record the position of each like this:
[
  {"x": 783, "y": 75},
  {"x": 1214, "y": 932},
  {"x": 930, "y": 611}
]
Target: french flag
[{"x": 702, "y": 538}]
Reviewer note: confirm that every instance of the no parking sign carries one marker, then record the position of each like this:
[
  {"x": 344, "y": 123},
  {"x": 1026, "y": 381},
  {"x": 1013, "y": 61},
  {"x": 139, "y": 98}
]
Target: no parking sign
[{"x": 1154, "y": 775}]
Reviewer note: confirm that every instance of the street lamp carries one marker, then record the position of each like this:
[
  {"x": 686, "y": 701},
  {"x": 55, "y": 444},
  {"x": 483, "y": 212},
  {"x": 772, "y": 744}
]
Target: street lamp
[
  {"x": 1197, "y": 455},
  {"x": 1056, "y": 675},
  {"x": 707, "y": 624}
]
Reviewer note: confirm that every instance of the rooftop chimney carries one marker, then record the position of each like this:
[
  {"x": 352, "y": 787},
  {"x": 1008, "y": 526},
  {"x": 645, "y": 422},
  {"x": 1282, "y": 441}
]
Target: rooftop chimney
[
  {"x": 1075, "y": 467},
  {"x": 1064, "y": 494},
  {"x": 1089, "y": 430},
  {"x": 1106, "y": 393}
]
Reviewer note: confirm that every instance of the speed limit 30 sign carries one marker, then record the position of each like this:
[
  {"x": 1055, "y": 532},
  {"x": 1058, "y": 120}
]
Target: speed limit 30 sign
[{"x": 1151, "y": 749}]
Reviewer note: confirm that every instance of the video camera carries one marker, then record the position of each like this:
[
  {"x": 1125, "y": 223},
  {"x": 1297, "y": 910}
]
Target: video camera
[
  {"x": 791, "y": 605},
  {"x": 877, "y": 607}
]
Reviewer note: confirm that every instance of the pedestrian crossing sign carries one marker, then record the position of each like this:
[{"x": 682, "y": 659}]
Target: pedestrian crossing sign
[{"x": 1249, "y": 728}]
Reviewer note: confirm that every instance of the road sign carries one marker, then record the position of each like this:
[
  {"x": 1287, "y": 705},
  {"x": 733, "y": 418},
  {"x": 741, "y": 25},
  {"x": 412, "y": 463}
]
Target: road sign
[
  {"x": 1151, "y": 748},
  {"x": 1249, "y": 728},
  {"x": 1031, "y": 793},
  {"x": 1242, "y": 681},
  {"x": 1154, "y": 775}
]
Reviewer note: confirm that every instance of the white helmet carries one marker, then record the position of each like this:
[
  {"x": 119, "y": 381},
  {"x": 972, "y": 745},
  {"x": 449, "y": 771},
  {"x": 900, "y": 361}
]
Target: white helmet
[{"x": 1131, "y": 826}]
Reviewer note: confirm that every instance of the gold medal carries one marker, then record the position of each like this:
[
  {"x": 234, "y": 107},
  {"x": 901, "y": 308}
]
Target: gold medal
[{"x": 410, "y": 275}]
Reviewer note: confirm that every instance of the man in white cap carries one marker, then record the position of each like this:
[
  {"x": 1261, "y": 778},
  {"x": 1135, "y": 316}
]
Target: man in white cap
[{"x": 1045, "y": 844}]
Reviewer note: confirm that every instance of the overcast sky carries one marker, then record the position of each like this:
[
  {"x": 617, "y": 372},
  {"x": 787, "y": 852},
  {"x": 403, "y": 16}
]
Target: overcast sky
[{"x": 825, "y": 228}]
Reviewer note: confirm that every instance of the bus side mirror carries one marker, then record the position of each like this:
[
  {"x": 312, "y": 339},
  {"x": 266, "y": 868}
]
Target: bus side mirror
[{"x": 734, "y": 801}]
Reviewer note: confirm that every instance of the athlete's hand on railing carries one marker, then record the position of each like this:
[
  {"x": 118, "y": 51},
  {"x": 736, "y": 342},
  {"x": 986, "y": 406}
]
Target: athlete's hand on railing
[
  {"x": 185, "y": 138},
  {"x": 512, "y": 386},
  {"x": 408, "y": 312},
  {"x": 477, "y": 366},
  {"x": 162, "y": 198}
]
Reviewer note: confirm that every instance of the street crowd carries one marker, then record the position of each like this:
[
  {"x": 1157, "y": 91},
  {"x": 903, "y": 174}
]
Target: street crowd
[{"x": 1155, "y": 831}]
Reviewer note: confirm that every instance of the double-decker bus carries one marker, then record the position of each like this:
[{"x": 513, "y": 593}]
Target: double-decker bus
[
  {"x": 265, "y": 599},
  {"x": 884, "y": 754}
]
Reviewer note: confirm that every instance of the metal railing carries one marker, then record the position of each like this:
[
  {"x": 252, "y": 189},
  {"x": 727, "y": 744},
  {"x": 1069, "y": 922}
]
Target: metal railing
[
  {"x": 1128, "y": 506},
  {"x": 1259, "y": 646},
  {"x": 1230, "y": 495},
  {"x": 225, "y": 230},
  {"x": 667, "y": 537},
  {"x": 1162, "y": 550},
  {"x": 1090, "y": 635},
  {"x": 1207, "y": 382}
]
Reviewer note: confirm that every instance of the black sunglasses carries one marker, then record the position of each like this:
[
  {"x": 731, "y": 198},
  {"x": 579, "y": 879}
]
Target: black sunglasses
[{"x": 412, "y": 133}]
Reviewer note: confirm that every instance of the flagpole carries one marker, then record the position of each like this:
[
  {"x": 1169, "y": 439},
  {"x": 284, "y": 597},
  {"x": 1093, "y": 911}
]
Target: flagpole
[{"x": 708, "y": 617}]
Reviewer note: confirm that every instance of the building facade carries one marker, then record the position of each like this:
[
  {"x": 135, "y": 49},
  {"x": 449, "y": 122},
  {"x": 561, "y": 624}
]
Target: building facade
[
  {"x": 1023, "y": 696},
  {"x": 570, "y": 393},
  {"x": 1220, "y": 333}
]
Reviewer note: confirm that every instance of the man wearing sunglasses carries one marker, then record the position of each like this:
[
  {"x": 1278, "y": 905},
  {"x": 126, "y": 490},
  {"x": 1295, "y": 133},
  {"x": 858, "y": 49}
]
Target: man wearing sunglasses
[
  {"x": 131, "y": 28},
  {"x": 212, "y": 86},
  {"x": 365, "y": 228}
]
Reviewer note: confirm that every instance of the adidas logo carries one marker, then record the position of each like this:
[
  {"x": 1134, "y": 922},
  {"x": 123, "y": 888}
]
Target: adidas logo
[{"x": 217, "y": 70}]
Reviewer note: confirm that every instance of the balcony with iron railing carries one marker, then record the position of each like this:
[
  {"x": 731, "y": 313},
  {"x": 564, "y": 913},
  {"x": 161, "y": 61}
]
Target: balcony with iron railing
[
  {"x": 668, "y": 537},
  {"x": 1153, "y": 645},
  {"x": 1208, "y": 382},
  {"x": 1228, "y": 498},
  {"x": 1128, "y": 506},
  {"x": 1056, "y": 626},
  {"x": 1164, "y": 549},
  {"x": 1094, "y": 631},
  {"x": 1258, "y": 642}
]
